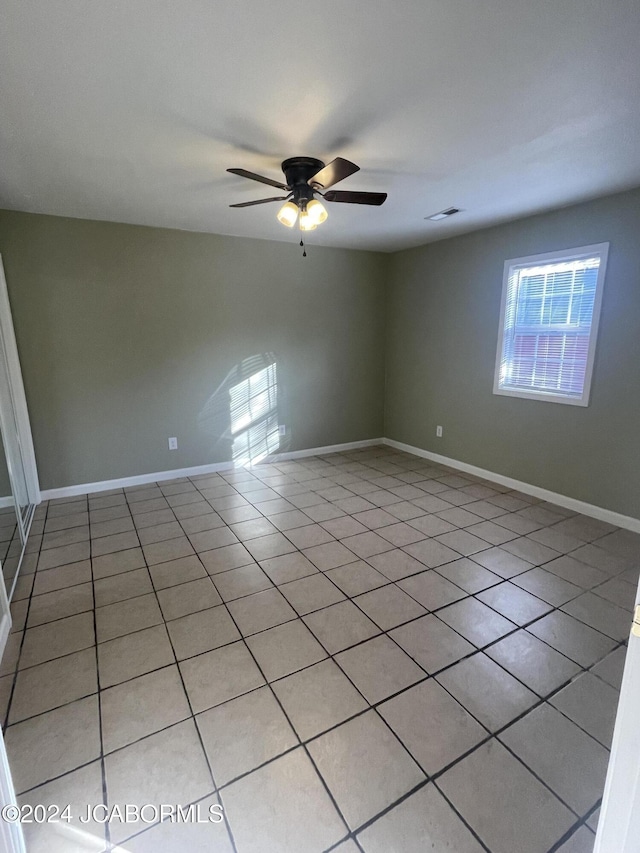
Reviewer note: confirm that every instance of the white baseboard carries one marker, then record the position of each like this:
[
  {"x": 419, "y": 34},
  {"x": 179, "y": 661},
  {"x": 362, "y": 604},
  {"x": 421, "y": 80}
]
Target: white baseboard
[
  {"x": 213, "y": 468},
  {"x": 600, "y": 513},
  {"x": 591, "y": 510},
  {"x": 322, "y": 451},
  {"x": 136, "y": 480},
  {"x": 5, "y": 502}
]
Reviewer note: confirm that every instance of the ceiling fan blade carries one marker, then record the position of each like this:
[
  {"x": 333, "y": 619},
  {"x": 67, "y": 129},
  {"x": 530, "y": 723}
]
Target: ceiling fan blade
[
  {"x": 252, "y": 176},
  {"x": 355, "y": 198},
  {"x": 260, "y": 201},
  {"x": 336, "y": 170}
]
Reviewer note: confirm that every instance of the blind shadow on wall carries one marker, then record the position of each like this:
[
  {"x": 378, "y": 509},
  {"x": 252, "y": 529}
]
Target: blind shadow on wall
[{"x": 242, "y": 415}]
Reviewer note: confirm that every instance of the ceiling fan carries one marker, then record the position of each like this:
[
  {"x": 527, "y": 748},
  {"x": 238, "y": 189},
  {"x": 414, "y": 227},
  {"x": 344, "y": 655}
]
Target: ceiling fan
[{"x": 305, "y": 178}]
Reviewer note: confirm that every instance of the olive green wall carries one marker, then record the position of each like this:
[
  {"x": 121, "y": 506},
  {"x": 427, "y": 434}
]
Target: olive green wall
[
  {"x": 443, "y": 306},
  {"x": 125, "y": 333}
]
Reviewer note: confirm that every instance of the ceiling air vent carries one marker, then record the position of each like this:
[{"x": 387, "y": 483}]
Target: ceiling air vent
[{"x": 443, "y": 214}]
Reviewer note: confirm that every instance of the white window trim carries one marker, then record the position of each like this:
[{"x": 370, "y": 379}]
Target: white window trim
[{"x": 601, "y": 249}]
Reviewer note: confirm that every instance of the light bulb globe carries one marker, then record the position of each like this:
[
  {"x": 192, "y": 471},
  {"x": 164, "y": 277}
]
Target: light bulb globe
[
  {"x": 316, "y": 211},
  {"x": 306, "y": 222},
  {"x": 288, "y": 214}
]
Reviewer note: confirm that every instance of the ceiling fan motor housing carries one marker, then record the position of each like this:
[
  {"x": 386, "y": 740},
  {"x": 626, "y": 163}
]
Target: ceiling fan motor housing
[
  {"x": 306, "y": 176},
  {"x": 297, "y": 171}
]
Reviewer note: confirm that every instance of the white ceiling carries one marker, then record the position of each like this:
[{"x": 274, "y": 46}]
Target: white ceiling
[{"x": 131, "y": 110}]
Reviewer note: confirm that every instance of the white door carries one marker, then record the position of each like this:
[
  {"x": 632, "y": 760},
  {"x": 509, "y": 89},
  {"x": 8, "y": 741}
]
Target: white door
[
  {"x": 18, "y": 447},
  {"x": 619, "y": 825},
  {"x": 13, "y": 409}
]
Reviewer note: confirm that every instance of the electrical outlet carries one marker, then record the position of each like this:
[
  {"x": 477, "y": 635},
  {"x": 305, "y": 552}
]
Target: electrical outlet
[
  {"x": 282, "y": 430},
  {"x": 173, "y": 443},
  {"x": 438, "y": 432}
]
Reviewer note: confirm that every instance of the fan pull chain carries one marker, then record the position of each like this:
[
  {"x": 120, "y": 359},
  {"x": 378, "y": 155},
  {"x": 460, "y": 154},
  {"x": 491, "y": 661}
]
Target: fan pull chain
[{"x": 304, "y": 252}]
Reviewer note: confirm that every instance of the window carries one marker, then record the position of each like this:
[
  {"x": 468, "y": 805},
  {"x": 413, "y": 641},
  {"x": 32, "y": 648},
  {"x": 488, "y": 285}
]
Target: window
[{"x": 548, "y": 325}]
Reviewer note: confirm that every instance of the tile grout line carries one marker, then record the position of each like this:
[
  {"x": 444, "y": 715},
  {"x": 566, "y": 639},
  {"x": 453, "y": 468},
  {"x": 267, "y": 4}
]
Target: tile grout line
[
  {"x": 467, "y": 594},
  {"x": 518, "y": 627},
  {"x": 192, "y": 717},
  {"x": 103, "y": 769},
  {"x": 383, "y": 633},
  {"x": 293, "y": 729},
  {"x": 351, "y": 599},
  {"x": 23, "y": 637}
]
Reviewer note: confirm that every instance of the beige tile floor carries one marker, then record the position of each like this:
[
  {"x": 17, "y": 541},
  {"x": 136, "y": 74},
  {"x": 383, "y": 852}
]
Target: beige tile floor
[{"x": 357, "y": 652}]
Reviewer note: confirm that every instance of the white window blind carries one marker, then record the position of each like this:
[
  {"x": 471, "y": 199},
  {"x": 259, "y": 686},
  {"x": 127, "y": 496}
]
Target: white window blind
[{"x": 548, "y": 325}]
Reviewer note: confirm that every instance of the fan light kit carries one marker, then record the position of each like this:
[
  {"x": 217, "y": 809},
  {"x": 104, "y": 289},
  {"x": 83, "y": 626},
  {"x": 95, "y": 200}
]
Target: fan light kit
[
  {"x": 305, "y": 178},
  {"x": 311, "y": 214}
]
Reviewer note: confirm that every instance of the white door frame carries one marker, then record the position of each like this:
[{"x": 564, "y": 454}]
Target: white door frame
[
  {"x": 11, "y": 837},
  {"x": 16, "y": 388},
  {"x": 619, "y": 824}
]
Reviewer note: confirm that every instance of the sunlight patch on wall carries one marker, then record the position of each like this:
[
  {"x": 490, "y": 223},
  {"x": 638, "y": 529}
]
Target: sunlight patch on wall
[
  {"x": 243, "y": 414},
  {"x": 253, "y": 406}
]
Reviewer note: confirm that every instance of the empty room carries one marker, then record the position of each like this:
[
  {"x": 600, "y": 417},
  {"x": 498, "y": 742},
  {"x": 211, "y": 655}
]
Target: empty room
[{"x": 320, "y": 411}]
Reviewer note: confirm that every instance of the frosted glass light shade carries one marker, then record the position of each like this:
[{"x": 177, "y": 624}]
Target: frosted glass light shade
[
  {"x": 288, "y": 214},
  {"x": 306, "y": 222},
  {"x": 317, "y": 211}
]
